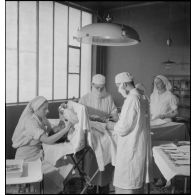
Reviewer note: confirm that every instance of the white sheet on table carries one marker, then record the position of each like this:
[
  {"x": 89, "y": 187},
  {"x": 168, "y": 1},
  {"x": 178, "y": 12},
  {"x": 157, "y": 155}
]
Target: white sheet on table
[
  {"x": 157, "y": 122},
  {"x": 103, "y": 143},
  {"x": 52, "y": 153},
  {"x": 167, "y": 167}
]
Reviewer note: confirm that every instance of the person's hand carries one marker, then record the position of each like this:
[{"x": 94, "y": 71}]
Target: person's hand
[
  {"x": 69, "y": 124},
  {"x": 110, "y": 125},
  {"x": 61, "y": 124}
]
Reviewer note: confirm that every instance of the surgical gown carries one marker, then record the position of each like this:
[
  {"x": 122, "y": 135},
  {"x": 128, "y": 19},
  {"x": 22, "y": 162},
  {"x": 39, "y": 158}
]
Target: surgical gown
[{"x": 133, "y": 143}]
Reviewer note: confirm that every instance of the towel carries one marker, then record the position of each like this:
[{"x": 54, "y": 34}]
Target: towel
[{"x": 77, "y": 137}]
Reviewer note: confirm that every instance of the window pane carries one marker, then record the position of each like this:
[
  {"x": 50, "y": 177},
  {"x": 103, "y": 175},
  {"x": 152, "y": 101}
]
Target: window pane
[
  {"x": 86, "y": 18},
  {"x": 85, "y": 68},
  {"x": 60, "y": 51},
  {"x": 11, "y": 52},
  {"x": 45, "y": 48},
  {"x": 74, "y": 25},
  {"x": 27, "y": 50},
  {"x": 73, "y": 85},
  {"x": 86, "y": 58},
  {"x": 74, "y": 58}
]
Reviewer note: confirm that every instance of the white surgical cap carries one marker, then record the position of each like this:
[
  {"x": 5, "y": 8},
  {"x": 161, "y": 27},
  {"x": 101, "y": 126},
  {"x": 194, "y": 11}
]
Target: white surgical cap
[
  {"x": 123, "y": 77},
  {"x": 99, "y": 79}
]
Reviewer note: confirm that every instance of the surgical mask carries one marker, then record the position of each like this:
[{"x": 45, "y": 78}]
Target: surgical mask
[
  {"x": 97, "y": 93},
  {"x": 122, "y": 91}
]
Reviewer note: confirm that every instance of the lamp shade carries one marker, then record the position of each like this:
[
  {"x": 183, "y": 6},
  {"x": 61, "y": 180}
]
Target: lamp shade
[
  {"x": 108, "y": 34},
  {"x": 167, "y": 64}
]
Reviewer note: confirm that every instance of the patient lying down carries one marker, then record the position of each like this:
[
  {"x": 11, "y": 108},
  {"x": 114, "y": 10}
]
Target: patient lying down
[{"x": 65, "y": 115}]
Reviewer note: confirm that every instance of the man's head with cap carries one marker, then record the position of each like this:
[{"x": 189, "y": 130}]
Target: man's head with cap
[
  {"x": 98, "y": 85},
  {"x": 124, "y": 82}
]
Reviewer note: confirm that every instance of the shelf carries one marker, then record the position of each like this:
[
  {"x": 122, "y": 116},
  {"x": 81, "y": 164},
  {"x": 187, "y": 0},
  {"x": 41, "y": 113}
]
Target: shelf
[{"x": 185, "y": 106}]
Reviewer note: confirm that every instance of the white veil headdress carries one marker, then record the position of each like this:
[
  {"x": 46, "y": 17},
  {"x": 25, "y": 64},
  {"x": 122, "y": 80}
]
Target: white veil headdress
[{"x": 31, "y": 107}]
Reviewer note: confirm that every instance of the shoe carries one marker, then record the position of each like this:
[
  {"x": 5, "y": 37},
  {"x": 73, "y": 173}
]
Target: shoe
[
  {"x": 91, "y": 190},
  {"x": 104, "y": 189},
  {"x": 160, "y": 182}
]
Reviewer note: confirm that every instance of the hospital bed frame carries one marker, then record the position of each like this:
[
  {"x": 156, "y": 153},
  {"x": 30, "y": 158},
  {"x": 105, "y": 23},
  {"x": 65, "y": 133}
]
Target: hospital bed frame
[{"x": 85, "y": 178}]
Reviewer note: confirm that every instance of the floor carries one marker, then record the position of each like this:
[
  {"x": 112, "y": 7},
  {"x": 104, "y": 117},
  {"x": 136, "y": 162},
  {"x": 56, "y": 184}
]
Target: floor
[{"x": 74, "y": 186}]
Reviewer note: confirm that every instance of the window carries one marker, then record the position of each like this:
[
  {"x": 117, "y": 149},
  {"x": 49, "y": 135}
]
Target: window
[{"x": 42, "y": 56}]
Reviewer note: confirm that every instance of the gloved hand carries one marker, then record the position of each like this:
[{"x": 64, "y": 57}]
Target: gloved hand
[{"x": 110, "y": 125}]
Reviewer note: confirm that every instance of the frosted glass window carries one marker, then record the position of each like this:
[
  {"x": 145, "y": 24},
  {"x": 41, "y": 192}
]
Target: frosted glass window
[
  {"x": 11, "y": 51},
  {"x": 73, "y": 85},
  {"x": 45, "y": 48},
  {"x": 85, "y": 68},
  {"x": 86, "y": 52},
  {"x": 27, "y": 50},
  {"x": 86, "y": 18},
  {"x": 74, "y": 60},
  {"x": 60, "y": 51},
  {"x": 74, "y": 25}
]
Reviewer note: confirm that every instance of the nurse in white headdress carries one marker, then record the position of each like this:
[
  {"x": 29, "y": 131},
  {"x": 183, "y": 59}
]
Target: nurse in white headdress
[
  {"x": 31, "y": 132},
  {"x": 163, "y": 103},
  {"x": 133, "y": 145}
]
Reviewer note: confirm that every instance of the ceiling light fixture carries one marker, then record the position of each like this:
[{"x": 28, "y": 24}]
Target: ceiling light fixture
[
  {"x": 108, "y": 34},
  {"x": 169, "y": 63}
]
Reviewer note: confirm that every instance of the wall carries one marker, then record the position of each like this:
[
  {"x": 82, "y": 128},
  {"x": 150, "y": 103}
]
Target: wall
[
  {"x": 13, "y": 113},
  {"x": 144, "y": 60}
]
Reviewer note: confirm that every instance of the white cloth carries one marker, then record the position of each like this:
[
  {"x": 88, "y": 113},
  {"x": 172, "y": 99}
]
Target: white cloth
[
  {"x": 77, "y": 139},
  {"x": 133, "y": 143},
  {"x": 168, "y": 167},
  {"x": 69, "y": 114},
  {"x": 21, "y": 135},
  {"x": 99, "y": 79},
  {"x": 103, "y": 143},
  {"x": 123, "y": 77},
  {"x": 162, "y": 103},
  {"x": 158, "y": 122},
  {"x": 52, "y": 153},
  {"x": 99, "y": 106}
]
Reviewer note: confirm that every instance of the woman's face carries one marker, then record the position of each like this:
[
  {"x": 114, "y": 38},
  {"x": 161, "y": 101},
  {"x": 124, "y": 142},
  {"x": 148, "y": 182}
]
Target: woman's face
[
  {"x": 43, "y": 110},
  {"x": 159, "y": 84}
]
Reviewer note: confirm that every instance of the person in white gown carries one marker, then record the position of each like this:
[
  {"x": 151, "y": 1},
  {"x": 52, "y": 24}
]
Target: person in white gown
[
  {"x": 30, "y": 132},
  {"x": 163, "y": 103},
  {"x": 133, "y": 144},
  {"x": 100, "y": 105}
]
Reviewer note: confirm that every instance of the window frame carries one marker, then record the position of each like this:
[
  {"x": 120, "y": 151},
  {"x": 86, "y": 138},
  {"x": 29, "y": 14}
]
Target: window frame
[{"x": 69, "y": 5}]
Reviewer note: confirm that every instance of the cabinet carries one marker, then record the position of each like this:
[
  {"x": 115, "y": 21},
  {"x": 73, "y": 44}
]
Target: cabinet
[{"x": 181, "y": 87}]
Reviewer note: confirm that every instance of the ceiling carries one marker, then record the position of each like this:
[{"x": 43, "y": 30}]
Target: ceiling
[{"x": 107, "y": 5}]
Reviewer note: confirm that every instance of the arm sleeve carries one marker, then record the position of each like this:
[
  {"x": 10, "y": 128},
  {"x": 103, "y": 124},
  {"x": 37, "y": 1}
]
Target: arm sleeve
[
  {"x": 34, "y": 130},
  {"x": 128, "y": 118},
  {"x": 174, "y": 102}
]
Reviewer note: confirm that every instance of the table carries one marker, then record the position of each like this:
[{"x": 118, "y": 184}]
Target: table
[
  {"x": 32, "y": 173},
  {"x": 173, "y": 160},
  {"x": 170, "y": 131}
]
